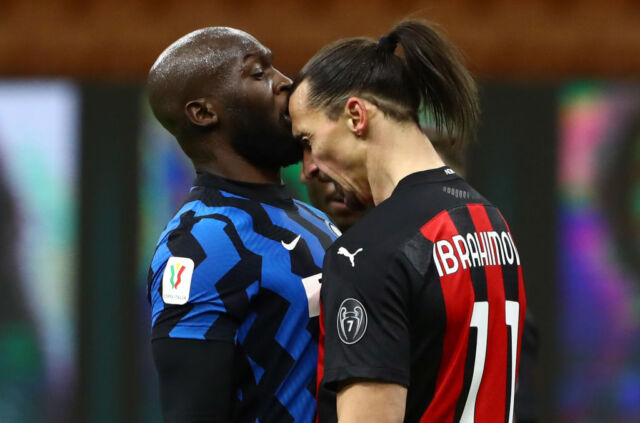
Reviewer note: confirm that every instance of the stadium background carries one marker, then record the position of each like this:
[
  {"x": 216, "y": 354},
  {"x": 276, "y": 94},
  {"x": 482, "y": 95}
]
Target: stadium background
[{"x": 88, "y": 179}]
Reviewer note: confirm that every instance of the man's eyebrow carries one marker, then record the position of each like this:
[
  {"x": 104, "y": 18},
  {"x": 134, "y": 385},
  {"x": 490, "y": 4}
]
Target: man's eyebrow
[{"x": 259, "y": 55}]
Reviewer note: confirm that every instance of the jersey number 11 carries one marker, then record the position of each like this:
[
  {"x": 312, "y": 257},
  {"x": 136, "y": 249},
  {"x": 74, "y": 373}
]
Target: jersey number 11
[{"x": 480, "y": 320}]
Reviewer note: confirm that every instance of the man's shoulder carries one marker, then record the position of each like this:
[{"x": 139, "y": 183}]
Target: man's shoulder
[
  {"x": 385, "y": 229},
  {"x": 374, "y": 240}
]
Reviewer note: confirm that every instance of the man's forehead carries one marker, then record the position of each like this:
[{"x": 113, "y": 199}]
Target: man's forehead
[{"x": 298, "y": 99}]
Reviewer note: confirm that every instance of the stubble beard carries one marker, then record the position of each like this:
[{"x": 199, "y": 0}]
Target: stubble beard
[{"x": 263, "y": 142}]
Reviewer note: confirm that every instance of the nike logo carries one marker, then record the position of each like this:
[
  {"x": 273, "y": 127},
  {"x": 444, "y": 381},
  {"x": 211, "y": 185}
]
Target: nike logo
[
  {"x": 352, "y": 257},
  {"x": 291, "y": 245}
]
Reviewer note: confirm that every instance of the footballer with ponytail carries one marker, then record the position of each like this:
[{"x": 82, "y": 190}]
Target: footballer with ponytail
[
  {"x": 427, "y": 72},
  {"x": 422, "y": 300}
]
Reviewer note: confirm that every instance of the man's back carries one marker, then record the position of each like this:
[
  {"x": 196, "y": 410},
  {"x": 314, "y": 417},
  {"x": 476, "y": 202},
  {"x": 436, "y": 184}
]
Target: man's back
[
  {"x": 240, "y": 264},
  {"x": 426, "y": 292}
]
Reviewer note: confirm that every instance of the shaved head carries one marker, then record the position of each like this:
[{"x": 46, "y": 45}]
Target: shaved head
[
  {"x": 217, "y": 91},
  {"x": 194, "y": 66}
]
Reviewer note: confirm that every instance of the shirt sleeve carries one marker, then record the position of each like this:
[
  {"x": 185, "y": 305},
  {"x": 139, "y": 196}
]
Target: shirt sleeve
[
  {"x": 365, "y": 307},
  {"x": 201, "y": 281},
  {"x": 196, "y": 380}
]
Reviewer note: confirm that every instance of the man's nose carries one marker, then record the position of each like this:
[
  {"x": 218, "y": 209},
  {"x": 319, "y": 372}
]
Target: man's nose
[
  {"x": 282, "y": 83},
  {"x": 309, "y": 167}
]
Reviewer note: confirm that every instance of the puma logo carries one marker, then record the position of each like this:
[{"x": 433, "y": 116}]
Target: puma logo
[{"x": 344, "y": 252}]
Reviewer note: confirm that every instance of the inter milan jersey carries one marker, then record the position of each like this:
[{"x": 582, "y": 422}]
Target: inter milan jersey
[
  {"x": 241, "y": 263},
  {"x": 427, "y": 292}
]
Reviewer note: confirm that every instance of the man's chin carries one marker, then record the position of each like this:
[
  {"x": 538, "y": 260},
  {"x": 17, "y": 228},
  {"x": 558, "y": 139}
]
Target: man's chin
[
  {"x": 353, "y": 203},
  {"x": 270, "y": 152}
]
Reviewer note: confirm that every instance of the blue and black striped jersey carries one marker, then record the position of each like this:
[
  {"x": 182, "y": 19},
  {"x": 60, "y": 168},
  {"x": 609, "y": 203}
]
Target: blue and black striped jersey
[{"x": 241, "y": 263}]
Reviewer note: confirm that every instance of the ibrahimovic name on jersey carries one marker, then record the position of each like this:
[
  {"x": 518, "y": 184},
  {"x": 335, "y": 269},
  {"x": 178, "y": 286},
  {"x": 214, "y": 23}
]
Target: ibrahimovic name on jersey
[
  {"x": 241, "y": 263},
  {"x": 432, "y": 299}
]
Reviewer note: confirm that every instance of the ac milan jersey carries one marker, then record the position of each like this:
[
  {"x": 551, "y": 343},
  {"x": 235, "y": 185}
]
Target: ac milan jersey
[
  {"x": 241, "y": 263},
  {"x": 426, "y": 291}
]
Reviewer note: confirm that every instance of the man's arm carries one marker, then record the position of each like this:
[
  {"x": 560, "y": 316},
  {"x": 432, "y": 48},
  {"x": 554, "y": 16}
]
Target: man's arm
[
  {"x": 196, "y": 379},
  {"x": 371, "y": 402}
]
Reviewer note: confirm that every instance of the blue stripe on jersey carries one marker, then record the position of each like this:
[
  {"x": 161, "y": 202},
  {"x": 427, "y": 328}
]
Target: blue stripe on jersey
[
  {"x": 228, "y": 195},
  {"x": 291, "y": 334},
  {"x": 173, "y": 223},
  {"x": 299, "y": 401},
  {"x": 281, "y": 219},
  {"x": 241, "y": 333},
  {"x": 258, "y": 371},
  {"x": 221, "y": 257},
  {"x": 194, "y": 332},
  {"x": 252, "y": 289}
]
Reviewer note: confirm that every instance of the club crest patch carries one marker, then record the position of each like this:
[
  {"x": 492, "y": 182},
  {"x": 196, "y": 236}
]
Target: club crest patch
[
  {"x": 176, "y": 280},
  {"x": 352, "y": 321}
]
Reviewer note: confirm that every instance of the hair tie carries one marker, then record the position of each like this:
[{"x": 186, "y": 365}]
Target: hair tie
[{"x": 388, "y": 43}]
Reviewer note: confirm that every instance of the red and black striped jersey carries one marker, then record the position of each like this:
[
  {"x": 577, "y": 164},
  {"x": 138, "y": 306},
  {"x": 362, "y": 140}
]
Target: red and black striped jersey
[{"x": 426, "y": 291}]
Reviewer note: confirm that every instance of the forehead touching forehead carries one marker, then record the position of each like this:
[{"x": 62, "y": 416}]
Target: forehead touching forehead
[{"x": 298, "y": 107}]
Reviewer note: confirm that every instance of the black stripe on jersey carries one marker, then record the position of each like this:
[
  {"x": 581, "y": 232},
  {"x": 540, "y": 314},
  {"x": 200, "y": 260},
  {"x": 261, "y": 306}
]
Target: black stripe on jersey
[
  {"x": 463, "y": 222},
  {"x": 461, "y": 218},
  {"x": 510, "y": 281},
  {"x": 261, "y": 346},
  {"x": 468, "y": 374},
  {"x": 509, "y": 271},
  {"x": 181, "y": 243},
  {"x": 150, "y": 282},
  {"x": 277, "y": 413},
  {"x": 302, "y": 263},
  {"x": 232, "y": 286},
  {"x": 263, "y": 226},
  {"x": 324, "y": 239}
]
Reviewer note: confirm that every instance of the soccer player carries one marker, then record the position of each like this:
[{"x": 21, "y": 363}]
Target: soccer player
[
  {"x": 323, "y": 195},
  {"x": 234, "y": 281},
  {"x": 423, "y": 299}
]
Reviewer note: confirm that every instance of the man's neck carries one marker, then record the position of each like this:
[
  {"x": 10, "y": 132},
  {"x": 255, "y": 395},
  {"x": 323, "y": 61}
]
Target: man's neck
[
  {"x": 228, "y": 164},
  {"x": 399, "y": 151}
]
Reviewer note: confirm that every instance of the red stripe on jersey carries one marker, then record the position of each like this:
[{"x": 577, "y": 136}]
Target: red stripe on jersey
[
  {"x": 320, "y": 371},
  {"x": 490, "y": 403},
  {"x": 458, "y": 295}
]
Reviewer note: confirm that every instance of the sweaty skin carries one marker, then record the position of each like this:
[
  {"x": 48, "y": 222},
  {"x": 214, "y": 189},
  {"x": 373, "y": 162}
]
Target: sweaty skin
[
  {"x": 206, "y": 87},
  {"x": 359, "y": 150},
  {"x": 217, "y": 92}
]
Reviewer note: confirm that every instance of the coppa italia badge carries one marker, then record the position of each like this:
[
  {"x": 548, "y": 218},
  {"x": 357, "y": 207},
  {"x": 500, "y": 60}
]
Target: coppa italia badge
[
  {"x": 352, "y": 321},
  {"x": 176, "y": 280}
]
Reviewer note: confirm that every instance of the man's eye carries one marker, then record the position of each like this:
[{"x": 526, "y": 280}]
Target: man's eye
[
  {"x": 304, "y": 141},
  {"x": 258, "y": 74}
]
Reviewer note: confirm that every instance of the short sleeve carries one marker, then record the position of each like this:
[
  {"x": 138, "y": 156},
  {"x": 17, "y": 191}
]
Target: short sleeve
[
  {"x": 365, "y": 308},
  {"x": 201, "y": 281}
]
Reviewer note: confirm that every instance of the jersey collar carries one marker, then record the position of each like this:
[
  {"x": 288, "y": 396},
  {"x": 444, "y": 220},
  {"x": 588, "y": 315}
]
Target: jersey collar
[
  {"x": 265, "y": 193},
  {"x": 440, "y": 174}
]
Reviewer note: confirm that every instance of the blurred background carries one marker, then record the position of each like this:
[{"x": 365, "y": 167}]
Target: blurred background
[{"x": 88, "y": 180}]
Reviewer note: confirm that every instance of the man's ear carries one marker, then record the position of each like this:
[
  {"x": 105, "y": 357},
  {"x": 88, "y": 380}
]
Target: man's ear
[
  {"x": 357, "y": 116},
  {"x": 201, "y": 112}
]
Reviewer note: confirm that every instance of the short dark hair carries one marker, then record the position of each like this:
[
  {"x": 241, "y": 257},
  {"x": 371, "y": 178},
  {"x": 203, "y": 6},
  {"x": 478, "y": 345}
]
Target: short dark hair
[{"x": 428, "y": 77}]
